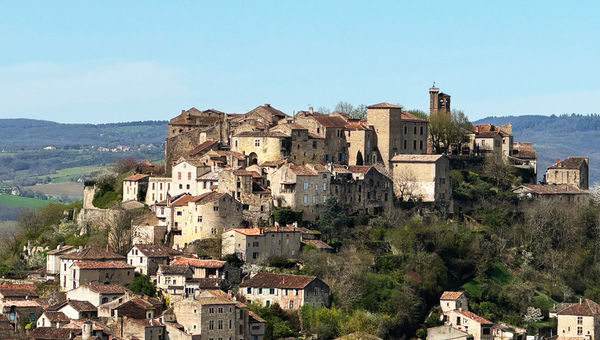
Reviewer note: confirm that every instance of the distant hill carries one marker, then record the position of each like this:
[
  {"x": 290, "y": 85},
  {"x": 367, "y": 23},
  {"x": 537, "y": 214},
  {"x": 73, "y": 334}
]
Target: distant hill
[
  {"x": 30, "y": 133},
  {"x": 557, "y": 137}
]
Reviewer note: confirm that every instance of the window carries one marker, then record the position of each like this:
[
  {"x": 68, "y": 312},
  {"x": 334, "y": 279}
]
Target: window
[
  {"x": 178, "y": 174},
  {"x": 179, "y": 213},
  {"x": 421, "y": 130},
  {"x": 259, "y": 290},
  {"x": 405, "y": 144},
  {"x": 420, "y": 145},
  {"x": 305, "y": 199},
  {"x": 405, "y": 130},
  {"x": 235, "y": 142},
  {"x": 257, "y": 142},
  {"x": 295, "y": 292},
  {"x": 415, "y": 130},
  {"x": 220, "y": 324},
  {"x": 324, "y": 186},
  {"x": 486, "y": 330},
  {"x": 199, "y": 218},
  {"x": 314, "y": 200},
  {"x": 189, "y": 175},
  {"x": 211, "y": 310},
  {"x": 414, "y": 145},
  {"x": 305, "y": 185},
  {"x": 458, "y": 320},
  {"x": 291, "y": 304},
  {"x": 579, "y": 330},
  {"x": 314, "y": 144},
  {"x": 187, "y": 186},
  {"x": 215, "y": 208},
  {"x": 220, "y": 310},
  {"x": 249, "y": 290},
  {"x": 211, "y": 324},
  {"x": 580, "y": 320}
]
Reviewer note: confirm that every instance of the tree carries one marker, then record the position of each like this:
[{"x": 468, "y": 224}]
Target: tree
[
  {"x": 496, "y": 169},
  {"x": 449, "y": 129},
  {"x": 142, "y": 285},
  {"x": 356, "y": 112},
  {"x": 533, "y": 315},
  {"x": 334, "y": 221},
  {"x": 419, "y": 113}
]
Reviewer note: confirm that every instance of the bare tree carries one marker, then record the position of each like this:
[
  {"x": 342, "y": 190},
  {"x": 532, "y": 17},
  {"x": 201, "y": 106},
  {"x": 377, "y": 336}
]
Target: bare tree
[{"x": 404, "y": 182}]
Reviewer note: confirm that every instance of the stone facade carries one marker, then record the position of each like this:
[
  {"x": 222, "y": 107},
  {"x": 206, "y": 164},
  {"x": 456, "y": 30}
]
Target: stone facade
[
  {"x": 438, "y": 101},
  {"x": 248, "y": 187},
  {"x": 332, "y": 129},
  {"x": 362, "y": 143},
  {"x": 422, "y": 177},
  {"x": 158, "y": 189},
  {"x": 134, "y": 187},
  {"x": 261, "y": 146},
  {"x": 255, "y": 245},
  {"x": 147, "y": 257},
  {"x": 571, "y": 171},
  {"x": 362, "y": 188}
]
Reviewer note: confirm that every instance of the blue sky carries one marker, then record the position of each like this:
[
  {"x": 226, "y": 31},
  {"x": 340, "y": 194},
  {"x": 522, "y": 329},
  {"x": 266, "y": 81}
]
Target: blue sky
[{"x": 109, "y": 61}]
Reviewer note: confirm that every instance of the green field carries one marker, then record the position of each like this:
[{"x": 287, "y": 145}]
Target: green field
[
  {"x": 18, "y": 201},
  {"x": 65, "y": 175}
]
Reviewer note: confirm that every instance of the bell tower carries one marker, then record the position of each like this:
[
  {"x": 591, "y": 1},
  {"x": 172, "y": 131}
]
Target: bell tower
[{"x": 438, "y": 101}]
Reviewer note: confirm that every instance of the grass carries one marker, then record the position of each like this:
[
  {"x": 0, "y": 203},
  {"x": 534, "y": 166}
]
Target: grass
[
  {"x": 542, "y": 300},
  {"x": 18, "y": 201},
  {"x": 69, "y": 189},
  {"x": 499, "y": 274},
  {"x": 65, "y": 175}
]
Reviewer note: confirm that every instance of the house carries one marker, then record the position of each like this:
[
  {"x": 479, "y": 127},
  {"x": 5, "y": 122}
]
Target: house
[
  {"x": 134, "y": 187},
  {"x": 450, "y": 301},
  {"x": 422, "y": 177},
  {"x": 75, "y": 309},
  {"x": 171, "y": 279},
  {"x": 185, "y": 175},
  {"x": 397, "y": 131},
  {"x": 214, "y": 315},
  {"x": 363, "y": 188},
  {"x": 259, "y": 244},
  {"x": 301, "y": 187},
  {"x": 524, "y": 155},
  {"x": 158, "y": 189},
  {"x": 89, "y": 254},
  {"x": 362, "y": 143},
  {"x": 139, "y": 308},
  {"x": 53, "y": 333},
  {"x": 332, "y": 129},
  {"x": 18, "y": 310},
  {"x": 289, "y": 291},
  {"x": 464, "y": 320},
  {"x": 147, "y": 257},
  {"x": 224, "y": 159},
  {"x": 147, "y": 329},
  {"x": 579, "y": 321},
  {"x": 303, "y": 146},
  {"x": 557, "y": 307},
  {"x": 53, "y": 260},
  {"x": 148, "y": 229},
  {"x": 52, "y": 319},
  {"x": 17, "y": 292},
  {"x": 202, "y": 268},
  {"x": 261, "y": 146},
  {"x": 204, "y": 216},
  {"x": 446, "y": 332},
  {"x": 488, "y": 142},
  {"x": 97, "y": 294},
  {"x": 571, "y": 171},
  {"x": 249, "y": 188},
  {"x": 82, "y": 272}
]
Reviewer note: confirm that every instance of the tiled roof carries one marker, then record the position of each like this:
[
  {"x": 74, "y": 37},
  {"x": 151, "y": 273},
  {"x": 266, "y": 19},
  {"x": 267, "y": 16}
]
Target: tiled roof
[
  {"x": 136, "y": 177},
  {"x": 586, "y": 307},
  {"x": 255, "y": 318},
  {"x": 416, "y": 158},
  {"x": 273, "y": 163},
  {"x": 247, "y": 231},
  {"x": 81, "y": 306},
  {"x": 242, "y": 172},
  {"x": 329, "y": 121},
  {"x": 92, "y": 253},
  {"x": 570, "y": 162},
  {"x": 53, "y": 333},
  {"x": 318, "y": 244},
  {"x": 197, "y": 263},
  {"x": 203, "y": 146},
  {"x": 204, "y": 198},
  {"x": 358, "y": 125},
  {"x": 270, "y": 280},
  {"x": 409, "y": 116},
  {"x": 273, "y": 134},
  {"x": 18, "y": 290},
  {"x": 103, "y": 265},
  {"x": 356, "y": 169},
  {"x": 213, "y": 300},
  {"x": 21, "y": 303},
  {"x": 473, "y": 316},
  {"x": 173, "y": 269},
  {"x": 384, "y": 105},
  {"x": 268, "y": 108},
  {"x": 60, "y": 251},
  {"x": 447, "y": 295},
  {"x": 524, "y": 150},
  {"x": 155, "y": 250},
  {"x": 107, "y": 289},
  {"x": 307, "y": 169},
  {"x": 55, "y": 316}
]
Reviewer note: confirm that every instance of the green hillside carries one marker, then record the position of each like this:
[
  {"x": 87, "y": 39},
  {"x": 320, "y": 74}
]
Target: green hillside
[{"x": 18, "y": 201}]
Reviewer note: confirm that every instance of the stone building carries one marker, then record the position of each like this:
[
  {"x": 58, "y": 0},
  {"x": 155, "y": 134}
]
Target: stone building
[
  {"x": 147, "y": 257},
  {"x": 398, "y": 132},
  {"x": 98, "y": 293},
  {"x": 571, "y": 171},
  {"x": 259, "y": 244},
  {"x": 86, "y": 265},
  {"x": 557, "y": 193},
  {"x": 438, "y": 101},
  {"x": 261, "y": 146},
  {"x": 158, "y": 189},
  {"x": 332, "y": 129},
  {"x": 205, "y": 216},
  {"x": 453, "y": 300},
  {"x": 202, "y": 268},
  {"x": 579, "y": 321},
  {"x": 148, "y": 229},
  {"x": 185, "y": 175},
  {"x": 304, "y": 146},
  {"x": 464, "y": 320},
  {"x": 224, "y": 159},
  {"x": 289, "y": 291},
  {"x": 248, "y": 187},
  {"x": 53, "y": 260},
  {"x": 362, "y": 143},
  {"x": 524, "y": 155},
  {"x": 134, "y": 187},
  {"x": 362, "y": 188},
  {"x": 422, "y": 177},
  {"x": 301, "y": 187}
]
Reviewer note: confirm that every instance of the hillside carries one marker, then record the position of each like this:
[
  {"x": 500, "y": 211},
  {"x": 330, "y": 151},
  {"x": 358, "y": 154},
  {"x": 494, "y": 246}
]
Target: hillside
[{"x": 557, "y": 137}]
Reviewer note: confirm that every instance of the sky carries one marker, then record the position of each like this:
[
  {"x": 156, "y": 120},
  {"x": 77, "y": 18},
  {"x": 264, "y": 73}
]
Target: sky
[{"x": 113, "y": 61}]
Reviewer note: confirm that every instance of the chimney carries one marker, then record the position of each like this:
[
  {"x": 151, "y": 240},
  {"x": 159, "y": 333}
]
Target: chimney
[
  {"x": 557, "y": 160},
  {"x": 310, "y": 109},
  {"x": 267, "y": 105},
  {"x": 182, "y": 111}
]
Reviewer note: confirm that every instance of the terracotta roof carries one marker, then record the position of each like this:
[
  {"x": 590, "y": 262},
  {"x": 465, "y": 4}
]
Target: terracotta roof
[
  {"x": 155, "y": 250},
  {"x": 524, "y": 151},
  {"x": 550, "y": 189},
  {"x": 447, "y": 295},
  {"x": 487, "y": 134},
  {"x": 204, "y": 198},
  {"x": 197, "y": 263},
  {"x": 92, "y": 253},
  {"x": 586, "y": 307},
  {"x": 273, "y": 163},
  {"x": 103, "y": 265},
  {"x": 307, "y": 169},
  {"x": 241, "y": 172},
  {"x": 136, "y": 177},
  {"x": 328, "y": 120},
  {"x": 80, "y": 306},
  {"x": 60, "y": 250},
  {"x": 473, "y": 316},
  {"x": 255, "y": 317},
  {"x": 107, "y": 289},
  {"x": 570, "y": 162},
  {"x": 235, "y": 154},
  {"x": 318, "y": 244},
  {"x": 173, "y": 269},
  {"x": 270, "y": 280},
  {"x": 205, "y": 282},
  {"x": 384, "y": 105},
  {"x": 409, "y": 116},
  {"x": 53, "y": 333},
  {"x": 416, "y": 158},
  {"x": 213, "y": 300},
  {"x": 55, "y": 316},
  {"x": 268, "y": 108},
  {"x": 21, "y": 303},
  {"x": 560, "y": 306},
  {"x": 202, "y": 147},
  {"x": 247, "y": 231},
  {"x": 356, "y": 169},
  {"x": 18, "y": 290},
  {"x": 359, "y": 125}
]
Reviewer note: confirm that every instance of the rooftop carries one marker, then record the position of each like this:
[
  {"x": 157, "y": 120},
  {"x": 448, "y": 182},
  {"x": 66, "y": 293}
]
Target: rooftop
[
  {"x": 384, "y": 105},
  {"x": 270, "y": 280},
  {"x": 549, "y": 189},
  {"x": 103, "y": 265},
  {"x": 197, "y": 263},
  {"x": 473, "y": 316},
  {"x": 202, "y": 147},
  {"x": 136, "y": 177},
  {"x": 570, "y": 162},
  {"x": 585, "y": 307},
  {"x": 447, "y": 295},
  {"x": 92, "y": 253},
  {"x": 416, "y": 158}
]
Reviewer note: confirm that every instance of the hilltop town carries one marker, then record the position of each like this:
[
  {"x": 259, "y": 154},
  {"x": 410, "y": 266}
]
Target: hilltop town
[{"x": 269, "y": 225}]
